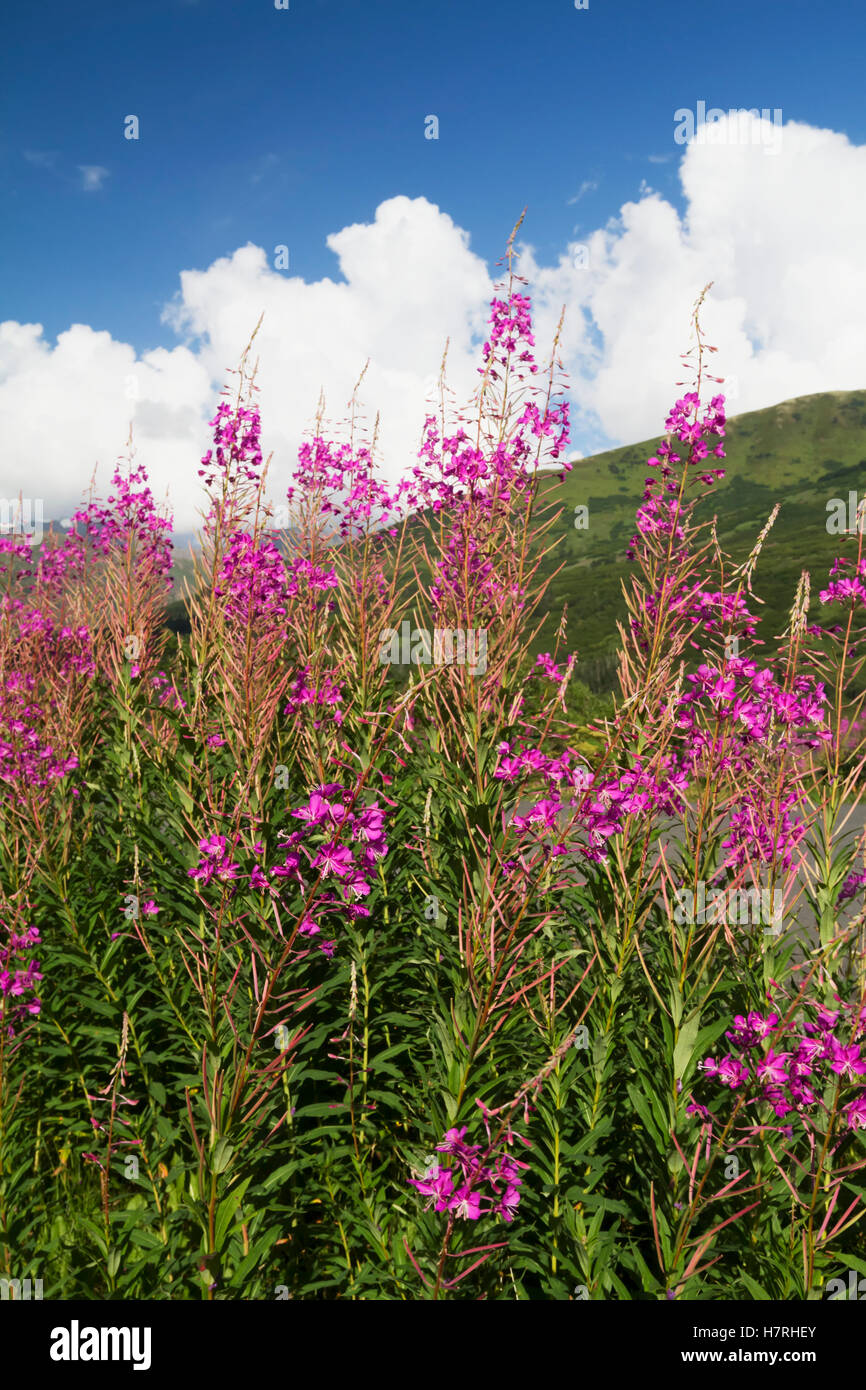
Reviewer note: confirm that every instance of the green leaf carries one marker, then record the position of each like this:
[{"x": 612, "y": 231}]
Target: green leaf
[
  {"x": 221, "y": 1156},
  {"x": 686, "y": 1044},
  {"x": 226, "y": 1210},
  {"x": 755, "y": 1289}
]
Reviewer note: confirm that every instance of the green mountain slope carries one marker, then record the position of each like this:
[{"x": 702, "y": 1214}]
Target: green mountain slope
[{"x": 800, "y": 453}]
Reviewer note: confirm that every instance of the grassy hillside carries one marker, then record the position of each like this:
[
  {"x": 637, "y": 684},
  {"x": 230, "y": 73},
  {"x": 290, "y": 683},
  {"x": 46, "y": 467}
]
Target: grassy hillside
[{"x": 800, "y": 453}]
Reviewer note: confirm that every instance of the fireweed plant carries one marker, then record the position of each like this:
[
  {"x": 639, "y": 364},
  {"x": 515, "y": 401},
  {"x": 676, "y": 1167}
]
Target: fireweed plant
[{"x": 323, "y": 975}]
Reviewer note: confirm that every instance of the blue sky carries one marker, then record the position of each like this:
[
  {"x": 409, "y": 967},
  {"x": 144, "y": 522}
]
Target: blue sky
[
  {"x": 280, "y": 127},
  {"x": 286, "y": 127}
]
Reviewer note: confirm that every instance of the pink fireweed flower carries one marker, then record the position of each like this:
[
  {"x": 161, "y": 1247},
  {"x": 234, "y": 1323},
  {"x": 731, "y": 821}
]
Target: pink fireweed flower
[
  {"x": 466, "y": 1203},
  {"x": 507, "y": 1205},
  {"x": 763, "y": 1027},
  {"x": 334, "y": 859},
  {"x": 748, "y": 1032},
  {"x": 217, "y": 861},
  {"x": 729, "y": 1071},
  {"x": 693, "y": 1108},
  {"x": 846, "y": 1061},
  {"x": 546, "y": 666},
  {"x": 213, "y": 847},
  {"x": 345, "y": 481},
  {"x": 349, "y": 861},
  {"x": 800, "y": 1093},
  {"x": 437, "y": 1183},
  {"x": 781, "y": 1105},
  {"x": 368, "y": 825},
  {"x": 453, "y": 1143},
  {"x": 290, "y": 867},
  {"x": 166, "y": 692},
  {"x": 851, "y": 886},
  {"x": 356, "y": 886},
  {"x": 855, "y": 1112},
  {"x": 827, "y": 1018},
  {"x": 763, "y": 829},
  {"x": 810, "y": 1050},
  {"x": 317, "y": 810},
  {"x": 773, "y": 1067},
  {"x": 237, "y": 445},
  {"x": 848, "y": 589},
  {"x": 544, "y": 813}
]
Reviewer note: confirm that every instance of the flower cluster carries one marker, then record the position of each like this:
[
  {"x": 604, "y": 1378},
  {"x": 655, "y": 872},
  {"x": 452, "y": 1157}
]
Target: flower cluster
[
  {"x": 253, "y": 581},
  {"x": 546, "y": 666},
  {"x": 794, "y": 1080},
  {"x": 453, "y": 466},
  {"x": 129, "y": 519},
  {"x": 663, "y": 511},
  {"x": 316, "y": 577},
  {"x": 317, "y": 853},
  {"x": 19, "y": 973},
  {"x": 459, "y": 1188},
  {"x": 752, "y": 700},
  {"x": 320, "y": 850},
  {"x": 486, "y": 479},
  {"x": 18, "y": 574},
  {"x": 237, "y": 441},
  {"x": 691, "y": 431},
  {"x": 730, "y": 716},
  {"x": 24, "y": 756},
  {"x": 65, "y": 651},
  {"x": 47, "y": 662},
  {"x": 593, "y": 805},
  {"x": 513, "y": 763},
  {"x": 60, "y": 565},
  {"x": 724, "y": 718},
  {"x": 510, "y": 323},
  {"x": 165, "y": 691},
  {"x": 465, "y": 576},
  {"x": 850, "y": 586},
  {"x": 763, "y": 828},
  {"x": 327, "y": 695},
  {"x": 217, "y": 862},
  {"x": 344, "y": 480},
  {"x": 699, "y": 609}
]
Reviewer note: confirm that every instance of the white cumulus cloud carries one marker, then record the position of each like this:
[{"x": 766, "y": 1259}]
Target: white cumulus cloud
[{"x": 779, "y": 233}]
